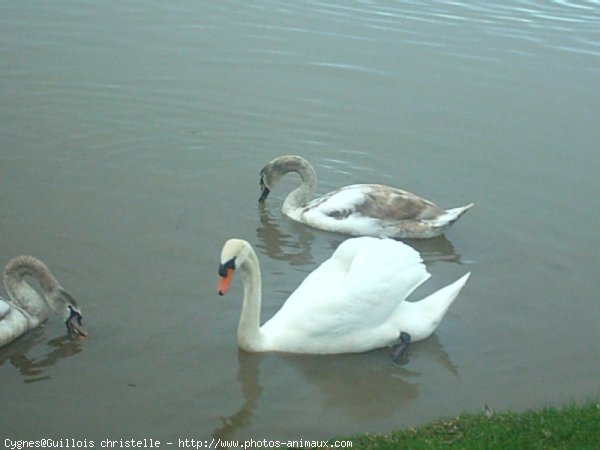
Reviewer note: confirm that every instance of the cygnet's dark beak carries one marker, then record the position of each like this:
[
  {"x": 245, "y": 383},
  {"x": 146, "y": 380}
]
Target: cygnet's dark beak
[
  {"x": 264, "y": 191},
  {"x": 74, "y": 326}
]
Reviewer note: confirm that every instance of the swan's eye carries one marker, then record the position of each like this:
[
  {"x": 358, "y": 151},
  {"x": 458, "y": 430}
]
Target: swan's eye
[{"x": 228, "y": 265}]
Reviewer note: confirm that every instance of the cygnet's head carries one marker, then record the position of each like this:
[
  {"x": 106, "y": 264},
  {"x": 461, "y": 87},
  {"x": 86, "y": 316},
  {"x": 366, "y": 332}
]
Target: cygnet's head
[{"x": 66, "y": 307}]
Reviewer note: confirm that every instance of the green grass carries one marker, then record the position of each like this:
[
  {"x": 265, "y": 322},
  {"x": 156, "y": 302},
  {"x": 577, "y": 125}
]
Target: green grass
[{"x": 573, "y": 427}]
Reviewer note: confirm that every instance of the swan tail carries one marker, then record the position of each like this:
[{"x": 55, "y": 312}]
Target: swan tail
[
  {"x": 452, "y": 215},
  {"x": 424, "y": 228},
  {"x": 438, "y": 303}
]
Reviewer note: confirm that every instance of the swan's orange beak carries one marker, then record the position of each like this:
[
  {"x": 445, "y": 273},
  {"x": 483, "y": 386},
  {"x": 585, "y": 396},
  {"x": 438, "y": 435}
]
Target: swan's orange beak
[{"x": 225, "y": 281}]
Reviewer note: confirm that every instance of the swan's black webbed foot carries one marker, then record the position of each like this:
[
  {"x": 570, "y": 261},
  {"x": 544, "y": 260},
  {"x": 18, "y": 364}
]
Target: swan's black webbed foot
[{"x": 401, "y": 347}]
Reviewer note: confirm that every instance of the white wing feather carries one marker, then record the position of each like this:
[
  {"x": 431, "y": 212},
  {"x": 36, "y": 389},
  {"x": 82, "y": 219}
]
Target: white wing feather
[{"x": 351, "y": 295}]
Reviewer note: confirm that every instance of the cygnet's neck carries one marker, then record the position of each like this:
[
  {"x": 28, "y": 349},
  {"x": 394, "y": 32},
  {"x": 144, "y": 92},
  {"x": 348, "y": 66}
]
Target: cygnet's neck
[
  {"x": 308, "y": 184},
  {"x": 21, "y": 293}
]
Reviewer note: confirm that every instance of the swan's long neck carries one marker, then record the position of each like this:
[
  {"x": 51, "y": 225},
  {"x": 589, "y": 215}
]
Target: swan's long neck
[
  {"x": 21, "y": 293},
  {"x": 249, "y": 334},
  {"x": 306, "y": 191}
]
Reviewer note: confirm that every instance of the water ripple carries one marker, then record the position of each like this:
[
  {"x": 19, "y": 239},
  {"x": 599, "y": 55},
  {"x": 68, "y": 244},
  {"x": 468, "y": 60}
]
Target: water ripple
[{"x": 525, "y": 19}]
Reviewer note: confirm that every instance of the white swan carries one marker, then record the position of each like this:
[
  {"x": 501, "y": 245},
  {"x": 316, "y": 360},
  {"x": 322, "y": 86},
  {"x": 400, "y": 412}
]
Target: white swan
[
  {"x": 25, "y": 309},
  {"x": 359, "y": 209},
  {"x": 353, "y": 302}
]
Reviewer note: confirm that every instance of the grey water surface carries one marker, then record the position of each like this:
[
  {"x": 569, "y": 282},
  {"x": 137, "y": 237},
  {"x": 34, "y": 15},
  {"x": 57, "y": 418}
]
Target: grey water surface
[{"x": 131, "y": 137}]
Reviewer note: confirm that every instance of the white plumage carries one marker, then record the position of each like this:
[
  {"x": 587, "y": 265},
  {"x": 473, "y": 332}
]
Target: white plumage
[{"x": 353, "y": 302}]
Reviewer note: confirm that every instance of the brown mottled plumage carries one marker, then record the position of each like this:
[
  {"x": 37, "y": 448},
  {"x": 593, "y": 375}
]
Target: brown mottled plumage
[{"x": 360, "y": 209}]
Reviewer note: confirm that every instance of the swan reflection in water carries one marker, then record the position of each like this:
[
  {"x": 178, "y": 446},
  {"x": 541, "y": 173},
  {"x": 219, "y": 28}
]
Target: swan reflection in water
[
  {"x": 390, "y": 389},
  {"x": 36, "y": 368},
  {"x": 251, "y": 390},
  {"x": 294, "y": 247}
]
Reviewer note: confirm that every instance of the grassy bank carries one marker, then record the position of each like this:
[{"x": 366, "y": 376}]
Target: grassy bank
[{"x": 573, "y": 427}]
